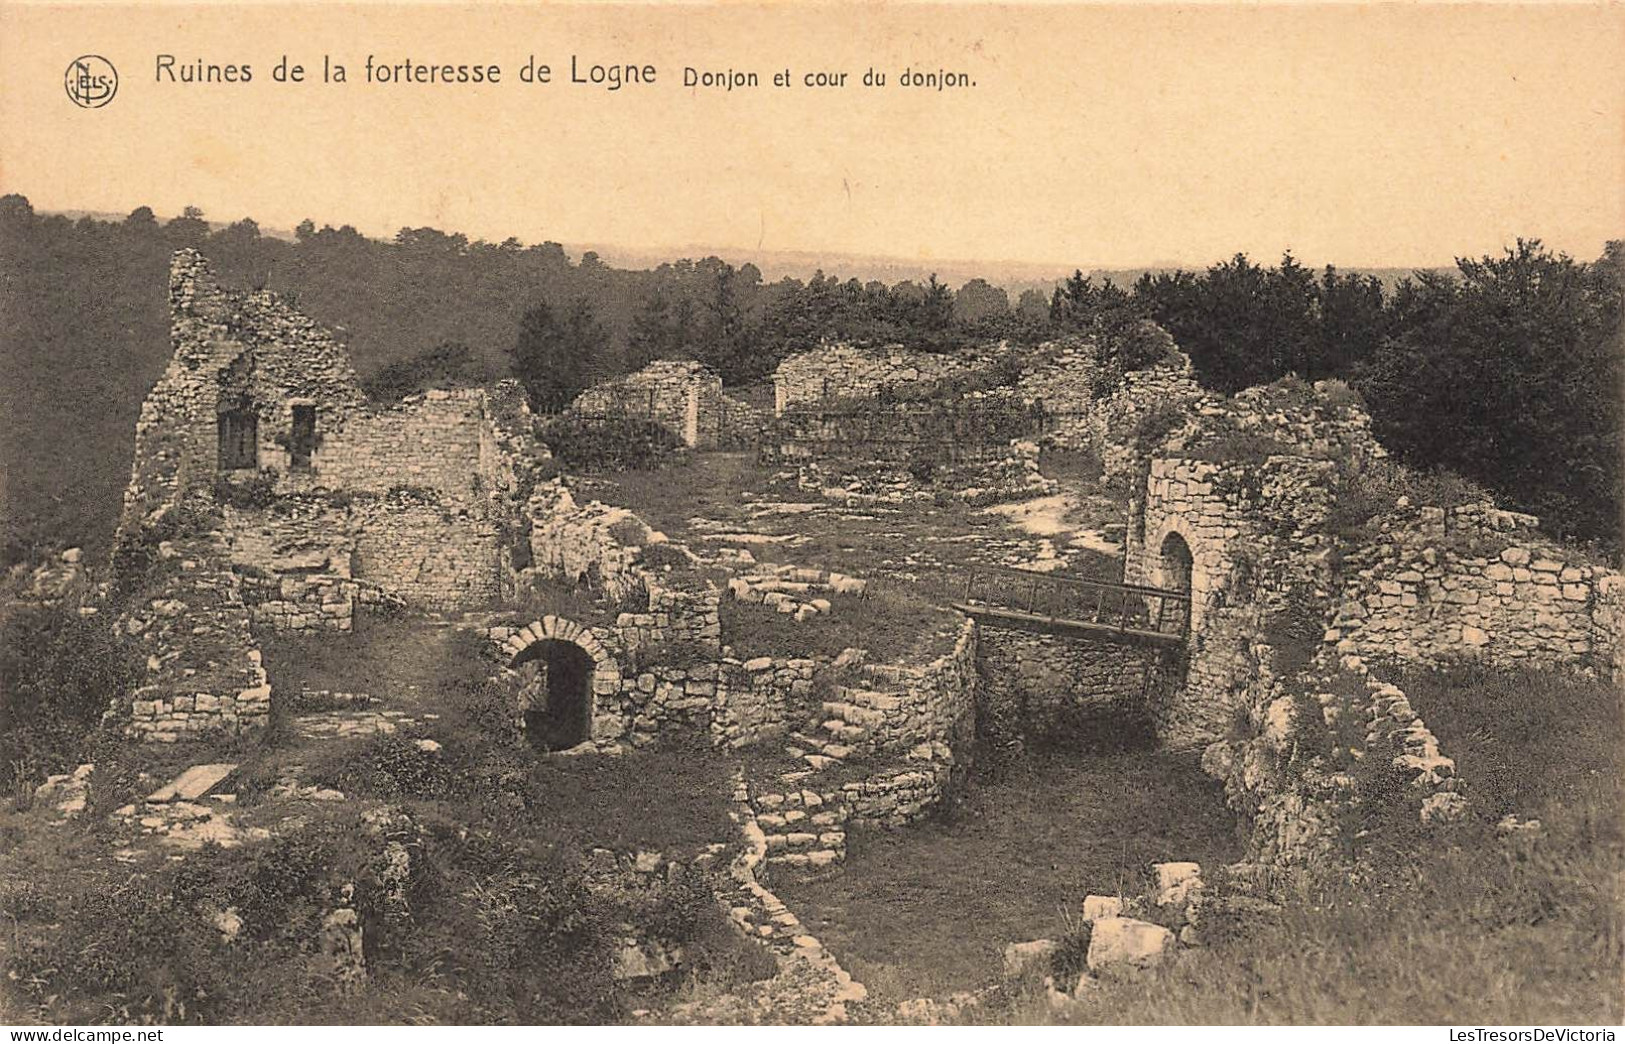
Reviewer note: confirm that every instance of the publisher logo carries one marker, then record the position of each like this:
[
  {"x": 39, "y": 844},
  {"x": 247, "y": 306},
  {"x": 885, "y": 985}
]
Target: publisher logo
[{"x": 91, "y": 81}]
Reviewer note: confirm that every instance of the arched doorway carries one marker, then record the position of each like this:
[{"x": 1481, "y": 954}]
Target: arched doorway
[
  {"x": 557, "y": 693},
  {"x": 1177, "y": 565}
]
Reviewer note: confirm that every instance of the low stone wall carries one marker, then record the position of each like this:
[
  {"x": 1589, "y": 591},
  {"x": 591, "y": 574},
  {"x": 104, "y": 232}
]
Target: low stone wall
[
  {"x": 969, "y": 429},
  {"x": 760, "y": 699},
  {"x": 905, "y": 794},
  {"x": 1012, "y": 474},
  {"x": 935, "y": 702},
  {"x": 1439, "y": 586}
]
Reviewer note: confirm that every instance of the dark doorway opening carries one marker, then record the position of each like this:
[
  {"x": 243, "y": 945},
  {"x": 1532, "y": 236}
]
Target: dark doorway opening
[
  {"x": 559, "y": 684},
  {"x": 1177, "y": 565},
  {"x": 302, "y": 442}
]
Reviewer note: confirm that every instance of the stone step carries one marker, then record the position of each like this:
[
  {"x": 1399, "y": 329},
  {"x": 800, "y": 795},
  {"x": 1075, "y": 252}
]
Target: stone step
[
  {"x": 193, "y": 783},
  {"x": 870, "y": 699},
  {"x": 854, "y": 714},
  {"x": 848, "y": 734},
  {"x": 808, "y": 860},
  {"x": 804, "y": 841}
]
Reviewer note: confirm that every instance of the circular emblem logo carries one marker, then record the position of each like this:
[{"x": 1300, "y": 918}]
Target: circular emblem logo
[{"x": 91, "y": 81}]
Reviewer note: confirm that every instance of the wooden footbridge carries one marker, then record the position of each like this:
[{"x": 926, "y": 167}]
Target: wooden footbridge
[{"x": 1064, "y": 605}]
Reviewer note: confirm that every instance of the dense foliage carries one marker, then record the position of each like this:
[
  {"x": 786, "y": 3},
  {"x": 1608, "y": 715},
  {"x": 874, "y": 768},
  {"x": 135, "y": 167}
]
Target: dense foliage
[
  {"x": 1507, "y": 370},
  {"x": 595, "y": 445},
  {"x": 59, "y": 672}
]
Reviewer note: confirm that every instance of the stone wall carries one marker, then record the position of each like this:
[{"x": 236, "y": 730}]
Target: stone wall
[
  {"x": 681, "y": 396},
  {"x": 969, "y": 429},
  {"x": 593, "y": 542},
  {"x": 431, "y": 441},
  {"x": 1253, "y": 535},
  {"x": 935, "y": 703},
  {"x": 310, "y": 603},
  {"x": 842, "y": 371},
  {"x": 992, "y": 475},
  {"x": 203, "y": 671},
  {"x": 425, "y": 552},
  {"x": 1045, "y": 688},
  {"x": 421, "y": 499},
  {"x": 1435, "y": 586},
  {"x": 1313, "y": 757}
]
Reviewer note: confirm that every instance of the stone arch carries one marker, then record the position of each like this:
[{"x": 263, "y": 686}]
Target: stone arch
[
  {"x": 1178, "y": 560},
  {"x": 1176, "y": 563},
  {"x": 566, "y": 648}
]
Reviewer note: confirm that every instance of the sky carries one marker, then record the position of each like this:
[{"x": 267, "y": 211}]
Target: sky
[{"x": 1097, "y": 135}]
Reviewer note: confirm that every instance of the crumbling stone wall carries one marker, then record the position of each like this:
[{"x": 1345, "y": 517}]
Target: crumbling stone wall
[
  {"x": 1311, "y": 750},
  {"x": 1435, "y": 586},
  {"x": 203, "y": 668},
  {"x": 1000, "y": 474},
  {"x": 1255, "y": 534},
  {"x": 681, "y": 396},
  {"x": 310, "y": 603},
  {"x": 593, "y": 542},
  {"x": 971, "y": 428},
  {"x": 843, "y": 371},
  {"x": 417, "y": 498}
]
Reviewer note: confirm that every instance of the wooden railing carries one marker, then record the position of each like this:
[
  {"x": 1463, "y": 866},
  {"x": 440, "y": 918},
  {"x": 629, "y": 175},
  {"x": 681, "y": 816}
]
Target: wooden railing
[{"x": 1063, "y": 603}]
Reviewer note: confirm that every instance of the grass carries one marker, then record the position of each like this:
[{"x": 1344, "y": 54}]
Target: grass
[
  {"x": 713, "y": 485},
  {"x": 928, "y": 911},
  {"x": 895, "y": 624},
  {"x": 393, "y": 661},
  {"x": 671, "y": 800},
  {"x": 1460, "y": 926}
]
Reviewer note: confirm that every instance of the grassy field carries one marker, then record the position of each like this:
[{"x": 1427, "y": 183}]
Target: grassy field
[
  {"x": 929, "y": 910},
  {"x": 1462, "y": 926}
]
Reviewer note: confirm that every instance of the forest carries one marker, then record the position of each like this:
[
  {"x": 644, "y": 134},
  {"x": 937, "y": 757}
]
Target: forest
[{"x": 1507, "y": 370}]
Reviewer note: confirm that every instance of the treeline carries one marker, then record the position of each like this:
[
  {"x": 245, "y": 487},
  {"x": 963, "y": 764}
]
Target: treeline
[{"x": 1507, "y": 370}]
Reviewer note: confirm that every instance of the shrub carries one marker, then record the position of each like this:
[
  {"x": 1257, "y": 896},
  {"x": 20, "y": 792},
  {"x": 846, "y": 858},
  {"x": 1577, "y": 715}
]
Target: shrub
[
  {"x": 59, "y": 672},
  {"x": 447, "y": 365},
  {"x": 1239, "y": 448},
  {"x": 609, "y": 444},
  {"x": 256, "y": 491},
  {"x": 1340, "y": 396},
  {"x": 1371, "y": 488},
  {"x": 1156, "y": 424},
  {"x": 100, "y": 963},
  {"x": 387, "y": 766},
  {"x": 657, "y": 556}
]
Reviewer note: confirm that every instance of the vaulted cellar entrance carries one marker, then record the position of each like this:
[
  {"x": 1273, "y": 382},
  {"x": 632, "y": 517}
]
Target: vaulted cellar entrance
[{"x": 557, "y": 693}]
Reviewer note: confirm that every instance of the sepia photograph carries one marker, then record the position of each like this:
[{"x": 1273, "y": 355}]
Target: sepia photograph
[{"x": 911, "y": 514}]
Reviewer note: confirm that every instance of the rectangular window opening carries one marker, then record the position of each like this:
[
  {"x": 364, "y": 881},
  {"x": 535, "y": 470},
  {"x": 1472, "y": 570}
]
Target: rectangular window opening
[
  {"x": 303, "y": 442},
  {"x": 239, "y": 440}
]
